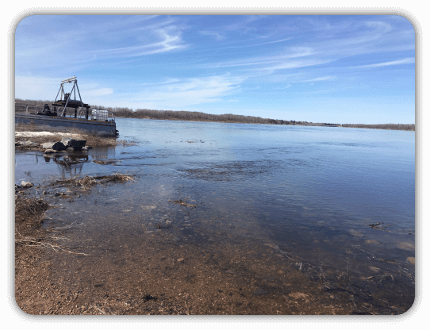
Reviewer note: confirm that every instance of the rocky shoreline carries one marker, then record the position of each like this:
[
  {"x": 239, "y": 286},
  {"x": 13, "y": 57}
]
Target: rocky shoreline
[{"x": 208, "y": 285}]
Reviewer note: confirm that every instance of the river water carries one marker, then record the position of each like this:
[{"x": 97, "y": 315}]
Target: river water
[{"x": 338, "y": 199}]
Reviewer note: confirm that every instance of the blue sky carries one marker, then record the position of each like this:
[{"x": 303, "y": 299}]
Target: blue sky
[{"x": 337, "y": 69}]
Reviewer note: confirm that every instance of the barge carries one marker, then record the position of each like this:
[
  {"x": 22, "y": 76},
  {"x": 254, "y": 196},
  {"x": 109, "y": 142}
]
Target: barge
[{"x": 68, "y": 112}]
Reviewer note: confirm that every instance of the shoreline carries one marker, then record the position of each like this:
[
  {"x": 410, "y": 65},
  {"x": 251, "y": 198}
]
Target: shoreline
[
  {"x": 72, "y": 272},
  {"x": 66, "y": 281}
]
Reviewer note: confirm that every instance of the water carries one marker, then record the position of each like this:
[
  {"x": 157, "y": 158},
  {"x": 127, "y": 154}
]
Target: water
[{"x": 310, "y": 194}]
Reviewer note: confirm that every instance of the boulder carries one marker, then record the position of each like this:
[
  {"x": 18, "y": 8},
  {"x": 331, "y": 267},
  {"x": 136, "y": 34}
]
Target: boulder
[
  {"x": 72, "y": 143},
  {"x": 47, "y": 145},
  {"x": 25, "y": 184},
  {"x": 59, "y": 146}
]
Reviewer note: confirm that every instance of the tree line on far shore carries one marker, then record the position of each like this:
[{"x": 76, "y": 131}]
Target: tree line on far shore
[{"x": 124, "y": 112}]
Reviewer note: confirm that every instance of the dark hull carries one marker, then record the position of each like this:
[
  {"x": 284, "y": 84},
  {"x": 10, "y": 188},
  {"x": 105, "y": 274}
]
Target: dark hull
[{"x": 97, "y": 127}]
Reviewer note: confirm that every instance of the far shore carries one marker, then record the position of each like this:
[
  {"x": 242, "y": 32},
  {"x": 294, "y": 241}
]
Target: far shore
[
  {"x": 120, "y": 112},
  {"x": 396, "y": 127}
]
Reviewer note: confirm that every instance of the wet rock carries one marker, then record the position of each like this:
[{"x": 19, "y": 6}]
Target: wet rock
[
  {"x": 25, "y": 184},
  {"x": 371, "y": 241},
  {"x": 74, "y": 144},
  {"x": 411, "y": 260},
  {"x": 107, "y": 162},
  {"x": 59, "y": 146},
  {"x": 49, "y": 151}
]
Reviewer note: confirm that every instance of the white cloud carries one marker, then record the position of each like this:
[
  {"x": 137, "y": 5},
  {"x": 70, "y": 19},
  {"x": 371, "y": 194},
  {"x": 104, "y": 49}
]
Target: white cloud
[
  {"x": 408, "y": 60},
  {"x": 168, "y": 39},
  {"x": 188, "y": 92},
  {"x": 319, "y": 79}
]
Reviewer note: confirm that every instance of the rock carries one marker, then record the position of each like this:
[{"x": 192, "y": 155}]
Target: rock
[
  {"x": 59, "y": 146},
  {"x": 72, "y": 143},
  {"x": 181, "y": 259},
  {"x": 260, "y": 292},
  {"x": 355, "y": 233},
  {"x": 374, "y": 269},
  {"x": 25, "y": 184},
  {"x": 371, "y": 241},
  {"x": 411, "y": 260},
  {"x": 298, "y": 295},
  {"x": 49, "y": 151},
  {"x": 47, "y": 145},
  {"x": 27, "y": 144},
  {"x": 405, "y": 246}
]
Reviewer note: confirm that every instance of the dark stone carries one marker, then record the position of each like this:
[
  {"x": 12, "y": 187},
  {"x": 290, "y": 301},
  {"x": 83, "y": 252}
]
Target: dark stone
[{"x": 59, "y": 146}]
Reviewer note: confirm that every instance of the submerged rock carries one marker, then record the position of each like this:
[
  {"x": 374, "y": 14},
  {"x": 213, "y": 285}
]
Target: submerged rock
[
  {"x": 374, "y": 269},
  {"x": 354, "y": 232},
  {"x": 405, "y": 246}
]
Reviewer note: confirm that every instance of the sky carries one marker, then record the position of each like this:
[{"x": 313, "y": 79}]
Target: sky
[{"x": 324, "y": 69}]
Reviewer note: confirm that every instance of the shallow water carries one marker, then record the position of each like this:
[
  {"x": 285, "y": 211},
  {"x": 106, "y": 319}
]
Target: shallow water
[{"x": 309, "y": 194}]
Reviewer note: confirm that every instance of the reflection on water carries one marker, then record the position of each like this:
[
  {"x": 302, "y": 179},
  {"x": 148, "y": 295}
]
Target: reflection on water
[{"x": 328, "y": 201}]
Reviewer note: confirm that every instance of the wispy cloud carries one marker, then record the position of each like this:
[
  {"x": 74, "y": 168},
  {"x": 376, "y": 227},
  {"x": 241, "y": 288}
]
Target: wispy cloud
[
  {"x": 287, "y": 54},
  {"x": 319, "y": 79},
  {"x": 182, "y": 61},
  {"x": 408, "y": 60},
  {"x": 216, "y": 35},
  {"x": 168, "y": 40},
  {"x": 188, "y": 92}
]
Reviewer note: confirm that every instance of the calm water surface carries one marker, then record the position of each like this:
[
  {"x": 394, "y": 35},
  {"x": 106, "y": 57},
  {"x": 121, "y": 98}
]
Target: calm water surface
[{"x": 311, "y": 193}]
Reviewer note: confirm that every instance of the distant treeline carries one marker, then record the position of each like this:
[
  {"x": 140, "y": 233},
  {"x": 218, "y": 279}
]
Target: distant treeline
[
  {"x": 402, "y": 127},
  {"x": 20, "y": 106}
]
